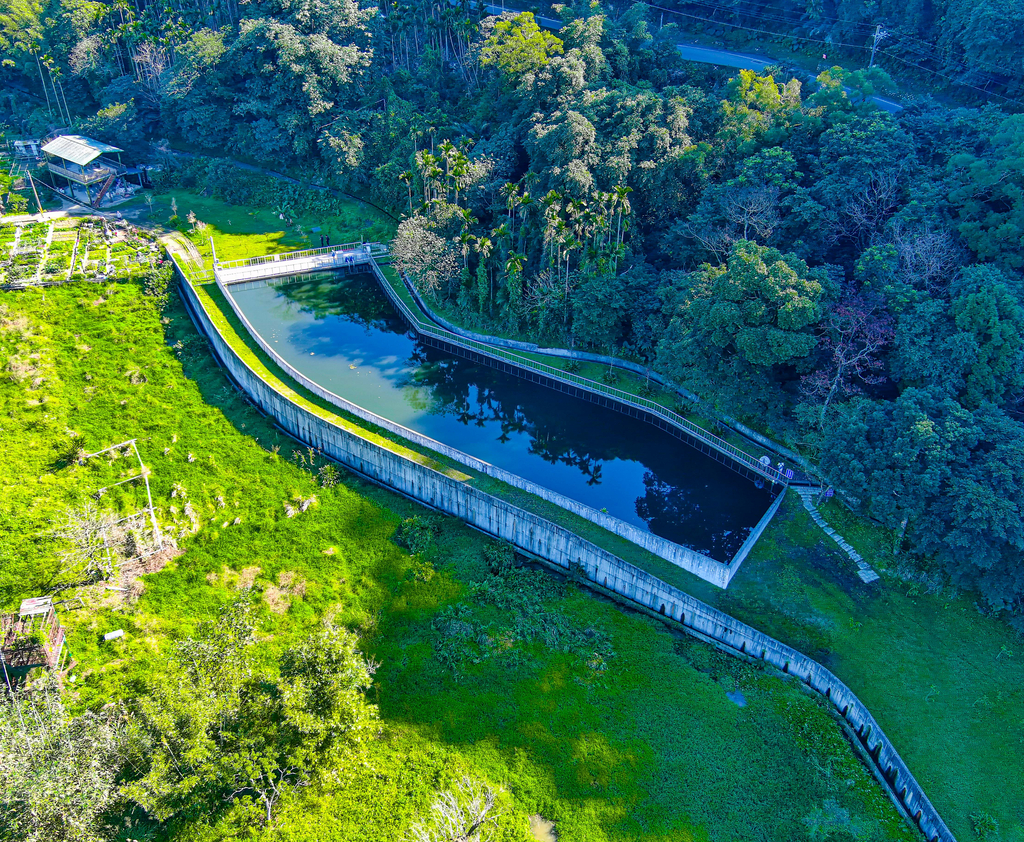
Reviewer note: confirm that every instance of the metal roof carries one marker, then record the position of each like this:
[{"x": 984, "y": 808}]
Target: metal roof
[{"x": 78, "y": 149}]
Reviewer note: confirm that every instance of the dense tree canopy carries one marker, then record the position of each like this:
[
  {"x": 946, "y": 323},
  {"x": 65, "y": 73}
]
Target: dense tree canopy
[{"x": 827, "y": 271}]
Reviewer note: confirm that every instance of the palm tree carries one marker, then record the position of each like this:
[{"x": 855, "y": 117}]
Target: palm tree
[
  {"x": 501, "y": 233},
  {"x": 447, "y": 150},
  {"x": 485, "y": 247},
  {"x": 514, "y": 285},
  {"x": 515, "y": 263},
  {"x": 509, "y": 192},
  {"x": 460, "y": 169},
  {"x": 406, "y": 177},
  {"x": 466, "y": 241},
  {"x": 525, "y": 203},
  {"x": 621, "y": 192}
]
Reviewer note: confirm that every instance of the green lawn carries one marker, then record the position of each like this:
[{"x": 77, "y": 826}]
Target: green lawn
[
  {"x": 239, "y": 231},
  {"x": 942, "y": 679},
  {"x": 600, "y": 720},
  {"x": 937, "y": 674}
]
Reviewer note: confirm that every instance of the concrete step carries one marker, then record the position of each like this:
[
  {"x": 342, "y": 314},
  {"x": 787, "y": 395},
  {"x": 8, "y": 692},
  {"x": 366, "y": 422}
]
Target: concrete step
[{"x": 864, "y": 571}]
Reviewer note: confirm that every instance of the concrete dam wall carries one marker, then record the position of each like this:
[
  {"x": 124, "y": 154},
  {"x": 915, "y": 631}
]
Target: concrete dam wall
[
  {"x": 561, "y": 547},
  {"x": 710, "y": 570}
]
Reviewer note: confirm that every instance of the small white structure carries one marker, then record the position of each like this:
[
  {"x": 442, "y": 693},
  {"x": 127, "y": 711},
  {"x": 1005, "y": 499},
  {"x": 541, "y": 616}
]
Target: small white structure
[{"x": 36, "y": 606}]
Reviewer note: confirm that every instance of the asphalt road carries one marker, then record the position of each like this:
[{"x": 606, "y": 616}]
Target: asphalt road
[{"x": 701, "y": 54}]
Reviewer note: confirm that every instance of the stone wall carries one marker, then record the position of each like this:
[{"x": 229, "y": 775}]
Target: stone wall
[{"x": 559, "y": 546}]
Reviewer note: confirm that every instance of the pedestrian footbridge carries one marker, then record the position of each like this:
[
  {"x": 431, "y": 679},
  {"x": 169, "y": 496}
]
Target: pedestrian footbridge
[{"x": 296, "y": 262}]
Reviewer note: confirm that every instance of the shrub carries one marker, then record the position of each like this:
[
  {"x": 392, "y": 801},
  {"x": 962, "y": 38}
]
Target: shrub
[{"x": 417, "y": 533}]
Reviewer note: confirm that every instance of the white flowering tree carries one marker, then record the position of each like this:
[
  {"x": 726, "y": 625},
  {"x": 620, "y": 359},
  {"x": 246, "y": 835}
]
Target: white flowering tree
[{"x": 430, "y": 261}]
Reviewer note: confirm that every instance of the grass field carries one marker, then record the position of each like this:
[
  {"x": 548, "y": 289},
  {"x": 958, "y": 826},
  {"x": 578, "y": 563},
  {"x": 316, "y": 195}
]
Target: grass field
[
  {"x": 942, "y": 679},
  {"x": 239, "y": 231},
  {"x": 601, "y": 721}
]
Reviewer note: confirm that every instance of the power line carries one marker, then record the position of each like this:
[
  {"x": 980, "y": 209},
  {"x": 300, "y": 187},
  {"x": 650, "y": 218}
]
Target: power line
[
  {"x": 755, "y": 29},
  {"x": 928, "y": 53},
  {"x": 773, "y": 7},
  {"x": 741, "y": 12}
]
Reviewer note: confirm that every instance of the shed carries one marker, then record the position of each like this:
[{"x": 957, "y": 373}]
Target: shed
[{"x": 82, "y": 162}]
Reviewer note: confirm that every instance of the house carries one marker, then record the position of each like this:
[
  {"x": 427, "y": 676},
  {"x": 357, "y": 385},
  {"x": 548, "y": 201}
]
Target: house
[{"x": 89, "y": 171}]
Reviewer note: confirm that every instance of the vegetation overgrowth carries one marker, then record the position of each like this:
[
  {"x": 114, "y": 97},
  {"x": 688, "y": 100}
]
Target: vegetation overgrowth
[
  {"x": 848, "y": 281},
  {"x": 936, "y": 673},
  {"x": 841, "y": 278},
  {"x": 440, "y": 626}
]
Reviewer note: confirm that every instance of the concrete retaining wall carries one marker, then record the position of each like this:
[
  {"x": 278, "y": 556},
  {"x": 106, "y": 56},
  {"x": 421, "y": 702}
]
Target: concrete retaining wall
[{"x": 561, "y": 547}]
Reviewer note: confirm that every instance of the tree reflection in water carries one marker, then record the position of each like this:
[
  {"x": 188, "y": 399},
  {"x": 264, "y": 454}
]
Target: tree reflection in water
[
  {"x": 664, "y": 506},
  {"x": 350, "y": 339}
]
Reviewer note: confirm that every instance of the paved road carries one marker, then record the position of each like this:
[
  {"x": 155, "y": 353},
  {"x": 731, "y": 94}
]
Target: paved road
[{"x": 699, "y": 53}]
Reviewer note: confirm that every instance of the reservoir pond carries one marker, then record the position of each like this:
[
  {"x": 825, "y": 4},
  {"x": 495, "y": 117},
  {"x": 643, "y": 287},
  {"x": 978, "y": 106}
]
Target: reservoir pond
[{"x": 342, "y": 332}]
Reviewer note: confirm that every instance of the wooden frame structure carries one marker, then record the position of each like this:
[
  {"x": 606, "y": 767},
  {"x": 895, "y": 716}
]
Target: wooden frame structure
[{"x": 31, "y": 638}]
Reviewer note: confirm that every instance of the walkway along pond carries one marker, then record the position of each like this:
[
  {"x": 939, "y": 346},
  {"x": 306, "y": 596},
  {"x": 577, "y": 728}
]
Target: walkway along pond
[
  {"x": 557, "y": 545},
  {"x": 337, "y": 334}
]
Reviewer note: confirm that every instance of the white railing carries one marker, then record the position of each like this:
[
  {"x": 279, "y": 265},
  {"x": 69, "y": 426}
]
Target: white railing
[
  {"x": 297, "y": 262},
  {"x": 96, "y": 172},
  {"x": 709, "y": 569},
  {"x": 374, "y": 249},
  {"x": 312, "y": 260}
]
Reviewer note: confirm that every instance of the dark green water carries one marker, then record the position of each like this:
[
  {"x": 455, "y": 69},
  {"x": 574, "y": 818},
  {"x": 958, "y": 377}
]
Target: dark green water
[{"x": 342, "y": 332}]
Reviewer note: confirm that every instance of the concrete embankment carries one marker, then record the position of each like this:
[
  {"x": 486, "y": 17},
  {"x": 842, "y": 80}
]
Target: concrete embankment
[
  {"x": 709, "y": 569},
  {"x": 559, "y": 546}
]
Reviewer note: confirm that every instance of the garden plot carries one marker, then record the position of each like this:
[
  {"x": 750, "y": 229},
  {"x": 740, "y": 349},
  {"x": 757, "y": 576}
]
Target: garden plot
[
  {"x": 113, "y": 250},
  {"x": 7, "y": 236},
  {"x": 74, "y": 249}
]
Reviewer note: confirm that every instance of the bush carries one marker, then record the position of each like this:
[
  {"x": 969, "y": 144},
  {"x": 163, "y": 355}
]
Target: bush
[
  {"x": 417, "y": 533},
  {"x": 16, "y": 203}
]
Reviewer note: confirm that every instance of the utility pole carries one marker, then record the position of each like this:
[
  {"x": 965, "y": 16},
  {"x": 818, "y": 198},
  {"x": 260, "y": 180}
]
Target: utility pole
[
  {"x": 879, "y": 37},
  {"x": 35, "y": 193}
]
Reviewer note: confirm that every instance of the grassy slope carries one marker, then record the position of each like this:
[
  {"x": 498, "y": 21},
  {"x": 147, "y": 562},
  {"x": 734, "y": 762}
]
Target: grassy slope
[
  {"x": 651, "y": 749},
  {"x": 935, "y": 673},
  {"x": 938, "y": 676}
]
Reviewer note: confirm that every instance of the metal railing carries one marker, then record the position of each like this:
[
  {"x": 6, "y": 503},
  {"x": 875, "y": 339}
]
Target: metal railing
[
  {"x": 710, "y": 569},
  {"x": 643, "y": 588},
  {"x": 94, "y": 173},
  {"x": 428, "y": 328},
  {"x": 374, "y": 249},
  {"x": 231, "y": 272}
]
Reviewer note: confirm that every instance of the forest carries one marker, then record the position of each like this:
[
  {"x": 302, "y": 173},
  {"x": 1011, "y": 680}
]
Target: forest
[{"x": 845, "y": 280}]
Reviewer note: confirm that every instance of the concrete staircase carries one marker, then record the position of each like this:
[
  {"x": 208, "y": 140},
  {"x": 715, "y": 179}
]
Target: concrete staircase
[{"x": 864, "y": 570}]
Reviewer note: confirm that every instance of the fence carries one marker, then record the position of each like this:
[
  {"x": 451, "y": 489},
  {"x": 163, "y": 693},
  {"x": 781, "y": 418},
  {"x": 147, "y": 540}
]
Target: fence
[
  {"x": 311, "y": 260},
  {"x": 296, "y": 262},
  {"x": 433, "y": 331}
]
